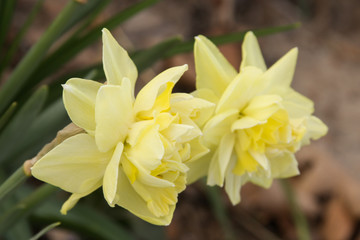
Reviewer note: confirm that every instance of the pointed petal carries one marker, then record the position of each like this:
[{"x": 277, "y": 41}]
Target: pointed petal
[
  {"x": 315, "y": 129},
  {"x": 113, "y": 115},
  {"x": 75, "y": 165},
  {"x": 251, "y": 53},
  {"x": 79, "y": 97},
  {"x": 213, "y": 71},
  {"x": 116, "y": 61},
  {"x": 111, "y": 175},
  {"x": 244, "y": 87},
  {"x": 233, "y": 182},
  {"x": 220, "y": 161},
  {"x": 155, "y": 96},
  {"x": 75, "y": 197},
  {"x": 279, "y": 76},
  {"x": 296, "y": 104},
  {"x": 135, "y": 204}
]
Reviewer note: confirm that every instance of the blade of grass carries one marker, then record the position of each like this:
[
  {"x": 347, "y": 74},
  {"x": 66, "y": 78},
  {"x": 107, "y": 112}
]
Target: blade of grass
[
  {"x": 6, "y": 13},
  {"x": 15, "y": 43},
  {"x": 7, "y": 115},
  {"x": 83, "y": 219},
  {"x": 75, "y": 45},
  {"x": 12, "y": 182},
  {"x": 45, "y": 230},
  {"x": 33, "y": 58},
  {"x": 24, "y": 207},
  {"x": 232, "y": 37},
  {"x": 19, "y": 125}
]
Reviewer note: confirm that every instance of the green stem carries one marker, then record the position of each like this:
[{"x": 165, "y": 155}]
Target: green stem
[
  {"x": 299, "y": 218},
  {"x": 218, "y": 208},
  {"x": 24, "y": 207},
  {"x": 29, "y": 63},
  {"x": 12, "y": 182}
]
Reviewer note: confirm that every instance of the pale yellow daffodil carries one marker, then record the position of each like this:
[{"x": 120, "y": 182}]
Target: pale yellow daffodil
[
  {"x": 137, "y": 149},
  {"x": 259, "y": 121}
]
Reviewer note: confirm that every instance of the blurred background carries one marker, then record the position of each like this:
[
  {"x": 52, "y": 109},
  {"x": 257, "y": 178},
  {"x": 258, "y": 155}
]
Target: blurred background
[{"x": 328, "y": 72}]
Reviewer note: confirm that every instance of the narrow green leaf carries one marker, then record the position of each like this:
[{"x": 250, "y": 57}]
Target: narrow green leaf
[
  {"x": 12, "y": 182},
  {"x": 15, "y": 43},
  {"x": 7, "y": 115},
  {"x": 6, "y": 12},
  {"x": 31, "y": 61},
  {"x": 9, "y": 219},
  {"x": 83, "y": 219},
  {"x": 41, "y": 131},
  {"x": 232, "y": 37},
  {"x": 75, "y": 45},
  {"x": 19, "y": 125},
  {"x": 45, "y": 230}
]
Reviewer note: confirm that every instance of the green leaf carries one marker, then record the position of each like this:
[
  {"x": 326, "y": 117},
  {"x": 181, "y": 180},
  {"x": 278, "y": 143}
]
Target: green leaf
[
  {"x": 15, "y": 43},
  {"x": 7, "y": 115},
  {"x": 83, "y": 219},
  {"x": 6, "y": 12},
  {"x": 19, "y": 125},
  {"x": 45, "y": 230},
  {"x": 31, "y": 61},
  {"x": 232, "y": 37},
  {"x": 41, "y": 131},
  {"x": 76, "y": 44},
  {"x": 9, "y": 219}
]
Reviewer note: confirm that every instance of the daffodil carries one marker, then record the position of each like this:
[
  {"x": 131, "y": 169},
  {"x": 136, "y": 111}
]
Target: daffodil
[
  {"x": 259, "y": 121},
  {"x": 136, "y": 149}
]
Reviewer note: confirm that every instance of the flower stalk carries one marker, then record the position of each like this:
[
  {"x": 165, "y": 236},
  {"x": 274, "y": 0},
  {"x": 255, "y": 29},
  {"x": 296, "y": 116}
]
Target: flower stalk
[
  {"x": 12, "y": 182},
  {"x": 301, "y": 225}
]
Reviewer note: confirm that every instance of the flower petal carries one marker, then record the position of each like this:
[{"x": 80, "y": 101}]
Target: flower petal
[
  {"x": 75, "y": 197},
  {"x": 233, "y": 182},
  {"x": 245, "y": 86},
  {"x": 213, "y": 71},
  {"x": 198, "y": 168},
  {"x": 113, "y": 115},
  {"x": 79, "y": 97},
  {"x": 135, "y": 204},
  {"x": 251, "y": 53},
  {"x": 296, "y": 104},
  {"x": 117, "y": 63},
  {"x": 244, "y": 123},
  {"x": 199, "y": 110},
  {"x": 155, "y": 96},
  {"x": 220, "y": 160},
  {"x": 283, "y": 164},
  {"x": 75, "y": 165},
  {"x": 279, "y": 76},
  {"x": 315, "y": 129},
  {"x": 111, "y": 175},
  {"x": 219, "y": 125},
  {"x": 262, "y": 107}
]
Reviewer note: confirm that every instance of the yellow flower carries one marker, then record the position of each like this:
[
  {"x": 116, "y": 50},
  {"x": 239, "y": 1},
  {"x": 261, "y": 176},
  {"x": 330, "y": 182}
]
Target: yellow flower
[
  {"x": 259, "y": 121},
  {"x": 136, "y": 149}
]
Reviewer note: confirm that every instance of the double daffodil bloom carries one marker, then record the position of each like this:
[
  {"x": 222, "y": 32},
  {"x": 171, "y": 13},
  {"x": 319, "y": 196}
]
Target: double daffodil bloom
[
  {"x": 259, "y": 121},
  {"x": 137, "y": 149}
]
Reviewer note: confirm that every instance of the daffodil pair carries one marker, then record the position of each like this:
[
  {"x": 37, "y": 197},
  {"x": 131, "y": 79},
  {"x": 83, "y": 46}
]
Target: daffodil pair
[
  {"x": 136, "y": 149},
  {"x": 235, "y": 128},
  {"x": 259, "y": 121}
]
